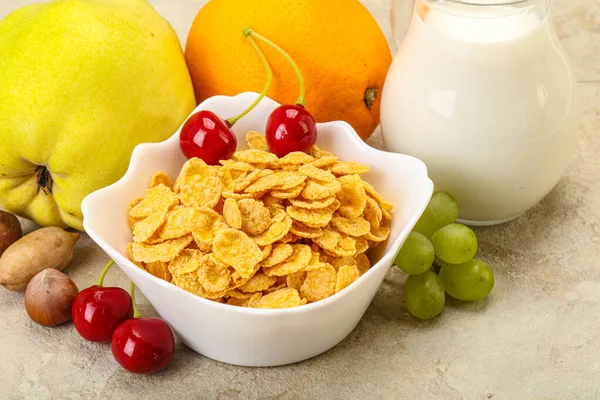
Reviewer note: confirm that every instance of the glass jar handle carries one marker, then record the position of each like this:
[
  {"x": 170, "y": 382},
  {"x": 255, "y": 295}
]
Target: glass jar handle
[{"x": 401, "y": 15}]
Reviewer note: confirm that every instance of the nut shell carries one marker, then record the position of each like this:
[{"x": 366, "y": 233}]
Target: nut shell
[
  {"x": 49, "y": 247},
  {"x": 10, "y": 230},
  {"x": 49, "y": 297}
]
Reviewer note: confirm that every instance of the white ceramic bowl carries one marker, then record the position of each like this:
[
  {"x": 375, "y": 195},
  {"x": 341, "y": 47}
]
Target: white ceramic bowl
[{"x": 259, "y": 337}]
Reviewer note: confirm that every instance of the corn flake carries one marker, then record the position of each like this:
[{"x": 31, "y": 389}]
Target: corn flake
[
  {"x": 311, "y": 171},
  {"x": 319, "y": 283},
  {"x": 325, "y": 161},
  {"x": 232, "y": 214},
  {"x": 283, "y": 298},
  {"x": 254, "y": 300},
  {"x": 306, "y": 232},
  {"x": 354, "y": 227},
  {"x": 317, "y": 190},
  {"x": 254, "y": 156},
  {"x": 362, "y": 263},
  {"x": 352, "y": 196},
  {"x": 279, "y": 180},
  {"x": 198, "y": 184},
  {"x": 233, "y": 247},
  {"x": 279, "y": 253},
  {"x": 300, "y": 258},
  {"x": 204, "y": 222},
  {"x": 295, "y": 158},
  {"x": 255, "y": 217},
  {"x": 256, "y": 140},
  {"x": 383, "y": 203},
  {"x": 158, "y": 199},
  {"x": 213, "y": 275},
  {"x": 242, "y": 183},
  {"x": 144, "y": 229},
  {"x": 165, "y": 251},
  {"x": 258, "y": 283},
  {"x": 345, "y": 276},
  {"x": 318, "y": 218},
  {"x": 378, "y": 235},
  {"x": 177, "y": 223},
  {"x": 160, "y": 178},
  {"x": 313, "y": 204},
  {"x": 372, "y": 213},
  {"x": 275, "y": 232},
  {"x": 316, "y": 152},
  {"x": 349, "y": 168},
  {"x": 290, "y": 193}
]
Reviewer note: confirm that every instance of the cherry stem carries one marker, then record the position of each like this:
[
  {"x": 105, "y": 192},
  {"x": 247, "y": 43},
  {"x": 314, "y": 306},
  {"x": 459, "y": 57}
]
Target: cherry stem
[
  {"x": 301, "y": 99},
  {"x": 100, "y": 280},
  {"x": 136, "y": 313},
  {"x": 262, "y": 94}
]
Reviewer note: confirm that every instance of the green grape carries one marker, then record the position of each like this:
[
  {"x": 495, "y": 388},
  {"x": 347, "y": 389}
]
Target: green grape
[
  {"x": 424, "y": 295},
  {"x": 416, "y": 255},
  {"x": 455, "y": 243},
  {"x": 442, "y": 210},
  {"x": 469, "y": 281}
]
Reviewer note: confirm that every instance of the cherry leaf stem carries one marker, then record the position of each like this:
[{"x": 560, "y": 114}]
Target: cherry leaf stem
[
  {"x": 269, "y": 71},
  {"x": 136, "y": 313},
  {"x": 301, "y": 99},
  {"x": 100, "y": 280}
]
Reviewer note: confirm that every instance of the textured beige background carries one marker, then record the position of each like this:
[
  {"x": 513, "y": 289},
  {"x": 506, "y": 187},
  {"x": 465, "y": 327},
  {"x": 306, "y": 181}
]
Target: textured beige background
[{"x": 536, "y": 337}]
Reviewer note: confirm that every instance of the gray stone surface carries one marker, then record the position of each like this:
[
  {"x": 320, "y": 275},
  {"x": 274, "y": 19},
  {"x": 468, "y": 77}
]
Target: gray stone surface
[{"x": 536, "y": 337}]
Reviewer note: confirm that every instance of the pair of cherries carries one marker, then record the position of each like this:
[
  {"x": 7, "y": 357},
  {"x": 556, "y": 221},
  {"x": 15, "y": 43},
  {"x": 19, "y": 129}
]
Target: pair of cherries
[
  {"x": 109, "y": 314},
  {"x": 289, "y": 127}
]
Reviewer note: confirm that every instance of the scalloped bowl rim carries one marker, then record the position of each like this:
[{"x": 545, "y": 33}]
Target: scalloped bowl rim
[{"x": 341, "y": 126}]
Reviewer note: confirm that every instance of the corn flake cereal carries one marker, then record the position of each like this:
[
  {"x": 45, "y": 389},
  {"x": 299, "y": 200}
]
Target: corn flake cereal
[
  {"x": 352, "y": 196},
  {"x": 257, "y": 230},
  {"x": 158, "y": 199},
  {"x": 255, "y": 217},
  {"x": 177, "y": 223},
  {"x": 145, "y": 228},
  {"x": 258, "y": 283},
  {"x": 198, "y": 185},
  {"x": 232, "y": 214},
  {"x": 316, "y": 173},
  {"x": 282, "y": 298},
  {"x": 354, "y": 227},
  {"x": 279, "y": 253},
  {"x": 254, "y": 156},
  {"x": 256, "y": 140},
  {"x": 164, "y": 251},
  {"x": 317, "y": 190},
  {"x": 233, "y": 247},
  {"x": 345, "y": 276},
  {"x": 300, "y": 258},
  {"x": 349, "y": 168},
  {"x": 319, "y": 284},
  {"x": 213, "y": 275}
]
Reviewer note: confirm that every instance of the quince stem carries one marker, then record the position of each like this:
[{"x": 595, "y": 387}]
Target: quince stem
[
  {"x": 301, "y": 98},
  {"x": 232, "y": 121},
  {"x": 136, "y": 313},
  {"x": 100, "y": 280}
]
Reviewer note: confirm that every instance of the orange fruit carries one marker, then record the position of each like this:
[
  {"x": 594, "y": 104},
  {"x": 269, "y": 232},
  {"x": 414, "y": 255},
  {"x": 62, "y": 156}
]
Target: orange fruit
[{"x": 337, "y": 44}]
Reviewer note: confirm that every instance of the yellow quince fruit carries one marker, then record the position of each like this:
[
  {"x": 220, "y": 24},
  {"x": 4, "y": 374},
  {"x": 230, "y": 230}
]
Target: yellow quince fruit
[{"x": 82, "y": 82}]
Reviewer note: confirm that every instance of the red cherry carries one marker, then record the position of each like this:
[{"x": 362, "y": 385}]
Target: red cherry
[
  {"x": 290, "y": 128},
  {"x": 143, "y": 345},
  {"x": 97, "y": 311},
  {"x": 208, "y": 137}
]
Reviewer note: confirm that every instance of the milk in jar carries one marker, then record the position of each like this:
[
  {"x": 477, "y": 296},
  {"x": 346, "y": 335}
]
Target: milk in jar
[{"x": 484, "y": 95}]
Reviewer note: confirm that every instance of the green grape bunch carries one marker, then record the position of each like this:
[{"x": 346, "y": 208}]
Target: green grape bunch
[{"x": 437, "y": 238}]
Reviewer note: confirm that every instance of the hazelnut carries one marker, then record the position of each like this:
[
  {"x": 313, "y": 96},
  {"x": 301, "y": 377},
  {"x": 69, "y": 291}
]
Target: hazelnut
[{"x": 49, "y": 296}]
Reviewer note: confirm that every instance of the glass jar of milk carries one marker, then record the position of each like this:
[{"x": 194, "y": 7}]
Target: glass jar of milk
[{"x": 482, "y": 92}]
